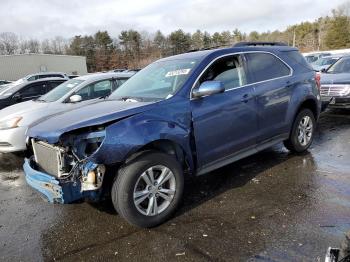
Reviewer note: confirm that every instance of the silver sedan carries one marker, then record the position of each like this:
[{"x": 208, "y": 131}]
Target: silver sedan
[{"x": 77, "y": 92}]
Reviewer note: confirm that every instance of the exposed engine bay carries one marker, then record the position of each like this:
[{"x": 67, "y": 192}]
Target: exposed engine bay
[{"x": 69, "y": 162}]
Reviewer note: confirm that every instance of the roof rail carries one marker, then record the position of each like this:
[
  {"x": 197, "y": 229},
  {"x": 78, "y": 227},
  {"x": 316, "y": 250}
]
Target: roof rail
[
  {"x": 240, "y": 44},
  {"x": 208, "y": 48}
]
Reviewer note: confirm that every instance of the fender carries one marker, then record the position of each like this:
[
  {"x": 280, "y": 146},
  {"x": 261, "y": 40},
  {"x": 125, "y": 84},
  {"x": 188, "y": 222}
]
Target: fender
[
  {"x": 129, "y": 135},
  {"x": 303, "y": 91}
]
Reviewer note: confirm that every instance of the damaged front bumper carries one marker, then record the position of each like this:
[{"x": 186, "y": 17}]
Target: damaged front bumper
[{"x": 56, "y": 190}]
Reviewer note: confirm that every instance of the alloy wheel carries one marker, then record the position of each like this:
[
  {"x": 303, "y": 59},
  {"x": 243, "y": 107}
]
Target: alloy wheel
[
  {"x": 154, "y": 190},
  {"x": 305, "y": 130}
]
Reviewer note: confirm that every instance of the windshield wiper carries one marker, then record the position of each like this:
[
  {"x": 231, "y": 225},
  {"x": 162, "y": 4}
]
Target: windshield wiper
[{"x": 125, "y": 98}]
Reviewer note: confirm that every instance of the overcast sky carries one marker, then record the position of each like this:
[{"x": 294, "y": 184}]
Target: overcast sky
[{"x": 49, "y": 18}]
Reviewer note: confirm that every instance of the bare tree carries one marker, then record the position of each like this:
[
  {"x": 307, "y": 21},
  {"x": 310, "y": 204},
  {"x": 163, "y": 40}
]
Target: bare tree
[
  {"x": 58, "y": 45},
  {"x": 46, "y": 47},
  {"x": 8, "y": 43},
  {"x": 30, "y": 46}
]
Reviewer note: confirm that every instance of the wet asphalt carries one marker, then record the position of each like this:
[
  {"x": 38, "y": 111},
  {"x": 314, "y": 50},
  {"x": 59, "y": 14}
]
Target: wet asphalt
[{"x": 273, "y": 206}]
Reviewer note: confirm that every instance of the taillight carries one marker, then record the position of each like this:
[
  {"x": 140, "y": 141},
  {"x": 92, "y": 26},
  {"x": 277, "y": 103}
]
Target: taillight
[{"x": 318, "y": 80}]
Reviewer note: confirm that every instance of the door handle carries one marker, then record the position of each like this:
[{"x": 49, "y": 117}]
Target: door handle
[{"x": 245, "y": 98}]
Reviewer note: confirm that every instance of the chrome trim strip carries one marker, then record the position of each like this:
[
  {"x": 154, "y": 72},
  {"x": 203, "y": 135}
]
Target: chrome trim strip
[{"x": 240, "y": 53}]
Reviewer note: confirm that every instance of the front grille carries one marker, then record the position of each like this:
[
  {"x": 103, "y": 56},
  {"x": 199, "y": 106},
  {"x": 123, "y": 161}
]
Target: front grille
[
  {"x": 47, "y": 158},
  {"x": 333, "y": 90},
  {"x": 5, "y": 144}
]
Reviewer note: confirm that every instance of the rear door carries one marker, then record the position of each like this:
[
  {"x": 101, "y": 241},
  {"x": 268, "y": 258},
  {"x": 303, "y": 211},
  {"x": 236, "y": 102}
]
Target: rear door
[
  {"x": 224, "y": 124},
  {"x": 270, "y": 77}
]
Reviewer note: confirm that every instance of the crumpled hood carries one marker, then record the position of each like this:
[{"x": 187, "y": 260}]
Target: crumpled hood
[
  {"x": 98, "y": 113},
  {"x": 343, "y": 78}
]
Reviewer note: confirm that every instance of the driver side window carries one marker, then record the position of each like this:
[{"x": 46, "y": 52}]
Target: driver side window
[
  {"x": 229, "y": 70},
  {"x": 33, "y": 90}
]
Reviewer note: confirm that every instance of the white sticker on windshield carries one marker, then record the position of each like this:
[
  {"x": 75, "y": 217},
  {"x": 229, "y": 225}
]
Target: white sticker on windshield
[
  {"x": 71, "y": 85},
  {"x": 178, "y": 72}
]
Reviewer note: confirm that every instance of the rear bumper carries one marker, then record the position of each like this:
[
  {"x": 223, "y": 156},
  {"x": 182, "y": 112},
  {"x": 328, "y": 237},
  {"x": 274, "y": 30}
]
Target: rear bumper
[{"x": 53, "y": 189}]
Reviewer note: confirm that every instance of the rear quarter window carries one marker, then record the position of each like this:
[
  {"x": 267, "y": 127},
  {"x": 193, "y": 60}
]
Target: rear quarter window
[
  {"x": 264, "y": 66},
  {"x": 298, "y": 59}
]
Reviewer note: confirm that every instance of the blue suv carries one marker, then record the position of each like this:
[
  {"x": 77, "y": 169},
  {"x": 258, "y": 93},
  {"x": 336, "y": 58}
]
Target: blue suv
[{"x": 183, "y": 115}]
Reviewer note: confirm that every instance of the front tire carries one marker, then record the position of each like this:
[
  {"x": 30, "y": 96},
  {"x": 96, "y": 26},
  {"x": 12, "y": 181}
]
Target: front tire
[
  {"x": 302, "y": 133},
  {"x": 148, "y": 189}
]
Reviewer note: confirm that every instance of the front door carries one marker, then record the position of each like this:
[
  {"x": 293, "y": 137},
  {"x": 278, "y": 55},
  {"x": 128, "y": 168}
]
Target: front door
[
  {"x": 31, "y": 91},
  {"x": 224, "y": 124}
]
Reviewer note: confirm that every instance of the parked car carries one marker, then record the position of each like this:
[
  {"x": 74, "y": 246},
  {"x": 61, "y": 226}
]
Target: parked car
[
  {"x": 324, "y": 62},
  {"x": 4, "y": 82},
  {"x": 14, "y": 120},
  {"x": 312, "y": 58},
  {"x": 18, "y": 92},
  {"x": 41, "y": 75},
  {"x": 335, "y": 84},
  {"x": 183, "y": 115}
]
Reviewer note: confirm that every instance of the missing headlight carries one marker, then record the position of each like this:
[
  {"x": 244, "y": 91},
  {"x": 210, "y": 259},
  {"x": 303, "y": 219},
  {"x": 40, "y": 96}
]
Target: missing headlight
[
  {"x": 92, "y": 146},
  {"x": 87, "y": 144}
]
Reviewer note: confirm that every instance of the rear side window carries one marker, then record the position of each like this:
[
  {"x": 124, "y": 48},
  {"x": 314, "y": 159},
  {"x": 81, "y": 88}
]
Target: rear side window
[
  {"x": 299, "y": 59},
  {"x": 263, "y": 66}
]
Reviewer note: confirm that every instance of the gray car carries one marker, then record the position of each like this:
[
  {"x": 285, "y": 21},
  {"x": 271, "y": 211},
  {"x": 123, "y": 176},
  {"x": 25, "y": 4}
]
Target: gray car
[
  {"x": 14, "y": 120},
  {"x": 324, "y": 62},
  {"x": 335, "y": 84}
]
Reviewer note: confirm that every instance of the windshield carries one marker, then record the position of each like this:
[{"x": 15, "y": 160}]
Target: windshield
[
  {"x": 325, "y": 61},
  {"x": 311, "y": 58},
  {"x": 61, "y": 90},
  {"x": 158, "y": 81},
  {"x": 341, "y": 66}
]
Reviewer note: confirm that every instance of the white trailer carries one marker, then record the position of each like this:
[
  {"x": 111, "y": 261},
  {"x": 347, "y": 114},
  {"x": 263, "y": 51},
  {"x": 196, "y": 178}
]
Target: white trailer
[{"x": 13, "y": 67}]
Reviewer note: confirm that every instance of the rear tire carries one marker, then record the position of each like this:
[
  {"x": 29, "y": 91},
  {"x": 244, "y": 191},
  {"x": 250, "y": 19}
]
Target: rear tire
[
  {"x": 302, "y": 133},
  {"x": 148, "y": 189}
]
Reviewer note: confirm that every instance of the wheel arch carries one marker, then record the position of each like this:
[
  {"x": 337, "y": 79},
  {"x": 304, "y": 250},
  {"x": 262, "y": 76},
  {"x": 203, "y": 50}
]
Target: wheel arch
[
  {"x": 311, "y": 104},
  {"x": 169, "y": 147}
]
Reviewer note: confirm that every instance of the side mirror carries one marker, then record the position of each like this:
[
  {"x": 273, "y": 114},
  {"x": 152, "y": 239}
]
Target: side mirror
[
  {"x": 323, "y": 70},
  {"x": 75, "y": 99},
  {"x": 208, "y": 88},
  {"x": 17, "y": 97}
]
